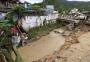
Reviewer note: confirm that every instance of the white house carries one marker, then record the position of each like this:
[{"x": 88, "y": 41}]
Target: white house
[{"x": 49, "y": 9}]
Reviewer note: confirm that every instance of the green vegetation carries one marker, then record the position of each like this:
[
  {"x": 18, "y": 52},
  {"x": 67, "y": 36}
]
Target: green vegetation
[
  {"x": 6, "y": 47},
  {"x": 19, "y": 10},
  {"x": 37, "y": 31},
  {"x": 80, "y": 5},
  {"x": 64, "y": 5},
  {"x": 36, "y": 7},
  {"x": 51, "y": 2},
  {"x": 34, "y": 32}
]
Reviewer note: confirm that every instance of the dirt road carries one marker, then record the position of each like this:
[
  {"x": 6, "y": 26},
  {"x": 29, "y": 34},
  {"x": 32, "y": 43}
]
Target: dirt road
[{"x": 42, "y": 47}]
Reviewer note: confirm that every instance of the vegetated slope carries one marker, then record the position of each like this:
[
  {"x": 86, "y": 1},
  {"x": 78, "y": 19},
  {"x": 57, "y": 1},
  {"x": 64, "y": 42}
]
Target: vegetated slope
[
  {"x": 66, "y": 5},
  {"x": 72, "y": 4}
]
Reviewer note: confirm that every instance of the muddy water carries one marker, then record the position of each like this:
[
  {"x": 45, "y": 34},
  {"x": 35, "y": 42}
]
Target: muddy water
[{"x": 42, "y": 47}]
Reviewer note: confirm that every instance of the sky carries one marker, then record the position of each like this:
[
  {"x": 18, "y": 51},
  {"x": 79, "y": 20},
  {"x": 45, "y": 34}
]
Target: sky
[
  {"x": 79, "y": 0},
  {"x": 32, "y": 1}
]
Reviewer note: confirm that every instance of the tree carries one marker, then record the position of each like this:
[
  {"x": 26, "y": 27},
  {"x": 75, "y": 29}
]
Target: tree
[
  {"x": 19, "y": 10},
  {"x": 36, "y": 7},
  {"x": 6, "y": 46}
]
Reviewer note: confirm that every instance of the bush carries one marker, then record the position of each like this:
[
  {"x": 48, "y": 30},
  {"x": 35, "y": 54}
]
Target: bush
[{"x": 60, "y": 23}]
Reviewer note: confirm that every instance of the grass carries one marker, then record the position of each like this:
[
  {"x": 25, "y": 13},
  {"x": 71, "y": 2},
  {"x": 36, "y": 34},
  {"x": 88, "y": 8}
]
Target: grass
[{"x": 34, "y": 32}]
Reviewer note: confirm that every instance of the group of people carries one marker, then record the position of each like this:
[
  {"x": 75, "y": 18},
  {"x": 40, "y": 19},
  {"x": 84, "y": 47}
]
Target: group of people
[{"x": 19, "y": 35}]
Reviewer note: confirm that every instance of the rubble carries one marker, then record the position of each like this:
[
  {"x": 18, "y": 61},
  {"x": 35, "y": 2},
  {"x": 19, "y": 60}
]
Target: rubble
[{"x": 61, "y": 31}]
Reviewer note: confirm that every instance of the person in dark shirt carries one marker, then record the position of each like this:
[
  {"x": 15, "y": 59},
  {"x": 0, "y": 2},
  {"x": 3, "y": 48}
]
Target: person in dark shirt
[
  {"x": 15, "y": 36},
  {"x": 23, "y": 34},
  {"x": 21, "y": 29}
]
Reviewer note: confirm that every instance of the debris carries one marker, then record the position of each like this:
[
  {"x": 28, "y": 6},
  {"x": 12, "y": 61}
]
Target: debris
[
  {"x": 66, "y": 33},
  {"x": 61, "y": 31}
]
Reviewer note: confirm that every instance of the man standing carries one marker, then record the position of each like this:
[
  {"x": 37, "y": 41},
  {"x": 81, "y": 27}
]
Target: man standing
[{"x": 15, "y": 36}]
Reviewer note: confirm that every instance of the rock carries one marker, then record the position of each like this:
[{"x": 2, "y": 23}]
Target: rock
[
  {"x": 69, "y": 39},
  {"x": 61, "y": 31},
  {"x": 66, "y": 33},
  {"x": 58, "y": 57},
  {"x": 60, "y": 60},
  {"x": 70, "y": 26}
]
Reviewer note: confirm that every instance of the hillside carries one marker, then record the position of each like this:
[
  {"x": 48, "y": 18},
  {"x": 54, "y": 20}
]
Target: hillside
[
  {"x": 72, "y": 4},
  {"x": 67, "y": 5}
]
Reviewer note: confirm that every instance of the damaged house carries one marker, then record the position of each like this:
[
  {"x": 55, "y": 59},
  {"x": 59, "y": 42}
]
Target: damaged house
[
  {"x": 76, "y": 14},
  {"x": 6, "y": 5}
]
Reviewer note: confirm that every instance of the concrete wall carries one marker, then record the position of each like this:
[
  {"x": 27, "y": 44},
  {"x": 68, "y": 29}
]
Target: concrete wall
[{"x": 34, "y": 21}]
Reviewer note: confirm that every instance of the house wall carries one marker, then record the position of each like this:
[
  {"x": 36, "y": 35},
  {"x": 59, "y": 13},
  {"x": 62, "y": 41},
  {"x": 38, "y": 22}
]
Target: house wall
[{"x": 34, "y": 21}]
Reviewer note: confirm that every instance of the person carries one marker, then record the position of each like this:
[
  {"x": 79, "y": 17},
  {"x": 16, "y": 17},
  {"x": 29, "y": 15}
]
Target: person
[
  {"x": 23, "y": 39},
  {"x": 23, "y": 35},
  {"x": 21, "y": 30},
  {"x": 15, "y": 37},
  {"x": 44, "y": 22},
  {"x": 13, "y": 30}
]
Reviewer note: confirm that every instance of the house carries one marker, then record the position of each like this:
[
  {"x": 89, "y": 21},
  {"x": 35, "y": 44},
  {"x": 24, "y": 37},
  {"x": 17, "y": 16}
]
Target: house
[
  {"x": 26, "y": 5},
  {"x": 6, "y": 5},
  {"x": 87, "y": 13},
  {"x": 49, "y": 9},
  {"x": 76, "y": 14},
  {"x": 74, "y": 10}
]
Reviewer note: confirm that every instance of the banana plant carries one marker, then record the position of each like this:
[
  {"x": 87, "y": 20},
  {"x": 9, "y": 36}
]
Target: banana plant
[{"x": 6, "y": 47}]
